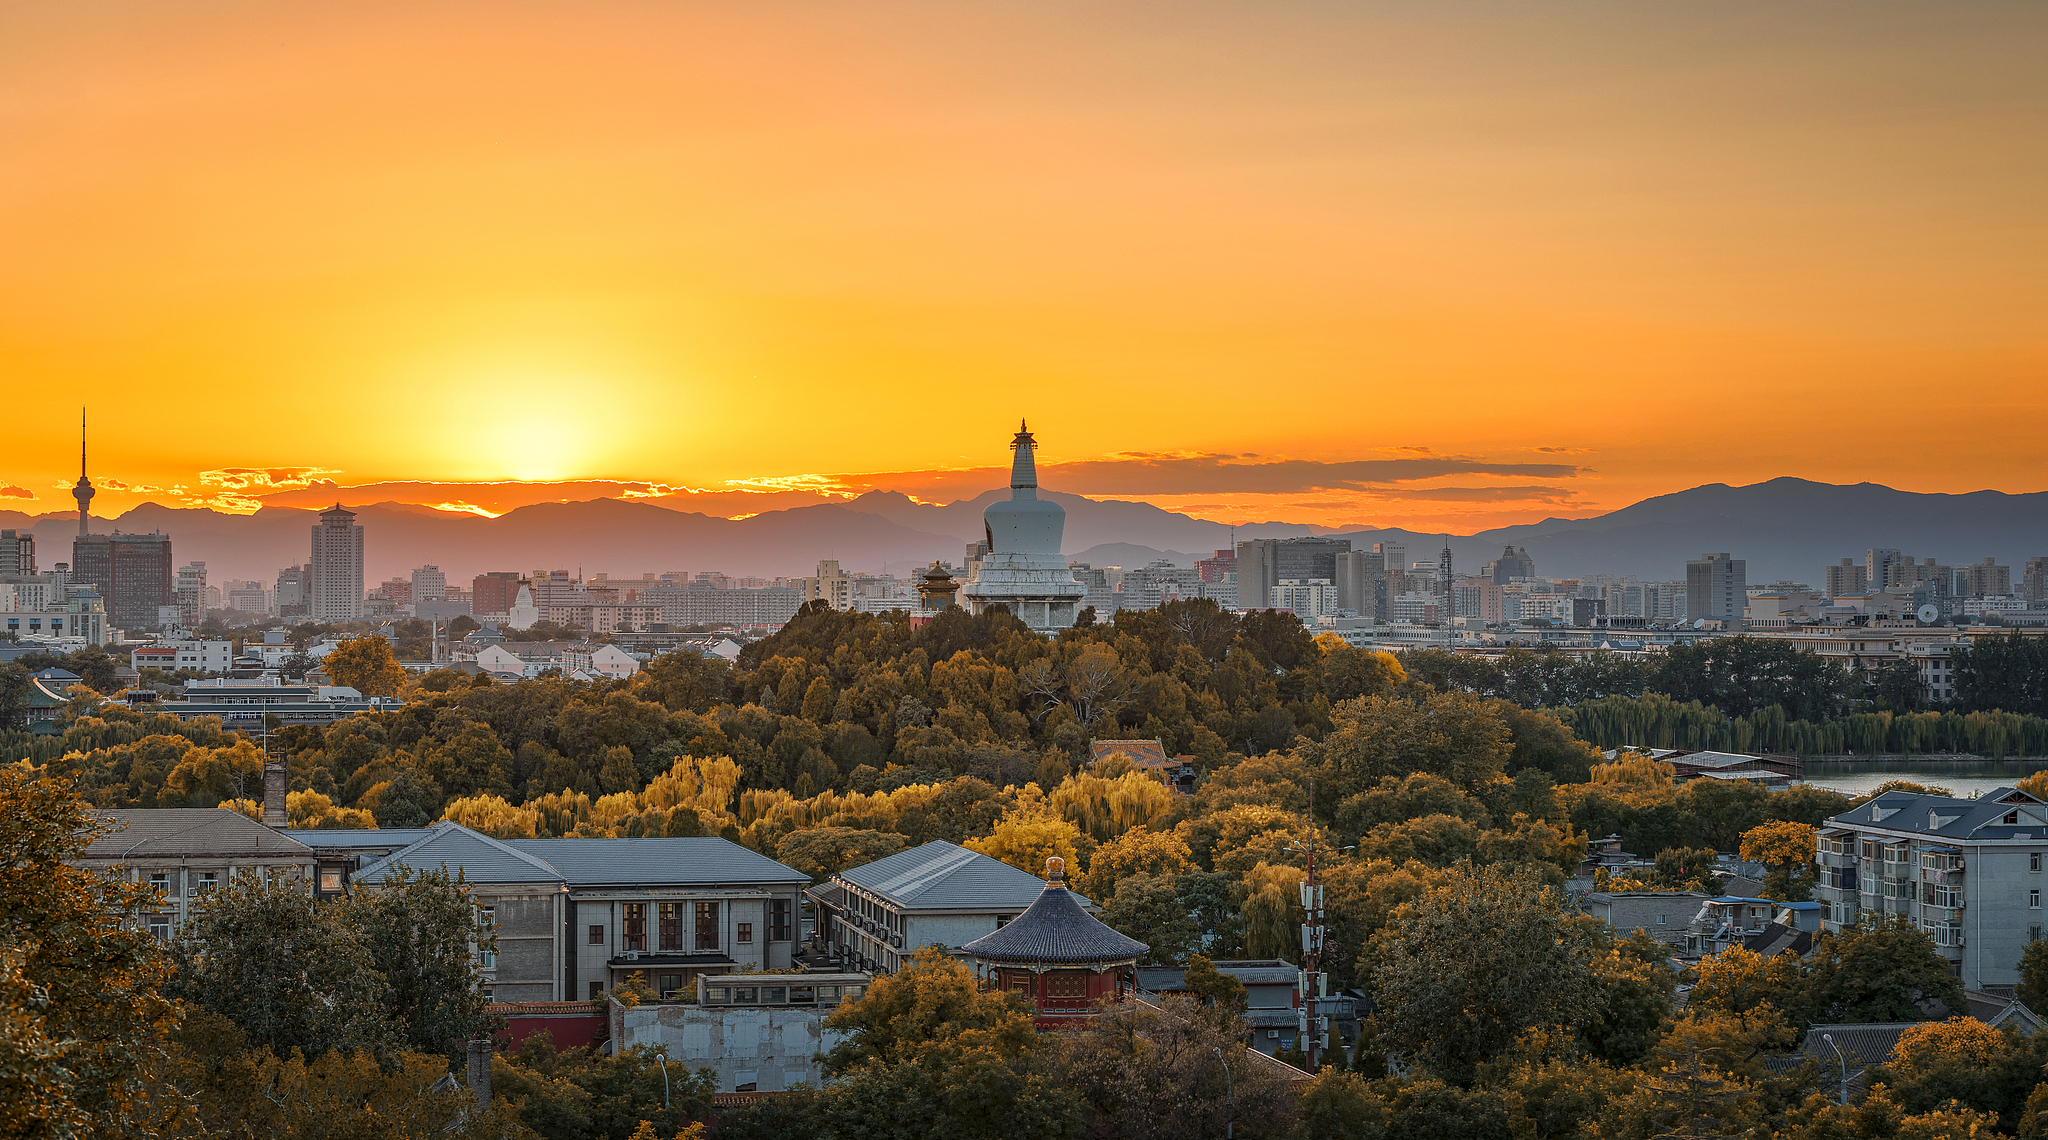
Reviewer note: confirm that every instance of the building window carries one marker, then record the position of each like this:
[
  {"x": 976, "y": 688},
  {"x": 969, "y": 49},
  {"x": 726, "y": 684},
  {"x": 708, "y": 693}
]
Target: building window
[
  {"x": 488, "y": 916},
  {"x": 746, "y": 933},
  {"x": 2033, "y": 934},
  {"x": 668, "y": 984},
  {"x": 636, "y": 926},
  {"x": 330, "y": 882},
  {"x": 160, "y": 884},
  {"x": 1660, "y": 920},
  {"x": 596, "y": 990},
  {"x": 707, "y": 926},
  {"x": 2033, "y": 900},
  {"x": 207, "y": 881},
  {"x": 489, "y": 959},
  {"x": 490, "y": 995},
  {"x": 672, "y": 926},
  {"x": 778, "y": 919},
  {"x": 2034, "y": 862},
  {"x": 597, "y": 934},
  {"x": 2012, "y": 817},
  {"x": 160, "y": 927}
]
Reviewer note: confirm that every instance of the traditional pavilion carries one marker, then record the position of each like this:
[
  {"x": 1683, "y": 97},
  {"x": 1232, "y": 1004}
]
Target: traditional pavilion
[
  {"x": 1024, "y": 570},
  {"x": 1059, "y": 956}
]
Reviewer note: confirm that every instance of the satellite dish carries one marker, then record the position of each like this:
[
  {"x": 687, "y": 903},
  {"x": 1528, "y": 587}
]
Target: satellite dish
[
  {"x": 1699, "y": 623},
  {"x": 1928, "y": 614}
]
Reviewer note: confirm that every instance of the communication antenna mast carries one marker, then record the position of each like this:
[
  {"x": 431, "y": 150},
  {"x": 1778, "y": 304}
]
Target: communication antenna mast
[{"x": 1311, "y": 944}]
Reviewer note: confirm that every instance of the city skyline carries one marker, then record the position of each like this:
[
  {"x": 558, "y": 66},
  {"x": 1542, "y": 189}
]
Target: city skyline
[{"x": 1330, "y": 265}]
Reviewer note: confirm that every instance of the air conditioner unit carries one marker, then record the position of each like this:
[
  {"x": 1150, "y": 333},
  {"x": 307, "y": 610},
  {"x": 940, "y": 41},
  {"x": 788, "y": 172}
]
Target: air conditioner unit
[
  {"x": 632, "y": 955},
  {"x": 191, "y": 892},
  {"x": 1273, "y": 1033}
]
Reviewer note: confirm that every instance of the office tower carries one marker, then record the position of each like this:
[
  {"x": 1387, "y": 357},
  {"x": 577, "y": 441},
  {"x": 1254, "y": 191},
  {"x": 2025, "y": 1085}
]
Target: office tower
[
  {"x": 190, "y": 591},
  {"x": 1263, "y": 562},
  {"x": 1511, "y": 564},
  {"x": 1716, "y": 587},
  {"x": 429, "y": 585},
  {"x": 1846, "y": 578},
  {"x": 294, "y": 592},
  {"x": 1361, "y": 580},
  {"x": 131, "y": 572},
  {"x": 493, "y": 592},
  {"x": 18, "y": 552},
  {"x": 337, "y": 567},
  {"x": 1446, "y": 585}
]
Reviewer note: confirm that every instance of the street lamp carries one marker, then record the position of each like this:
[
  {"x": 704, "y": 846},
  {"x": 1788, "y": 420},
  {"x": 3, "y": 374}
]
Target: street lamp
[
  {"x": 1229, "y": 1099},
  {"x": 661, "y": 1058},
  {"x": 1830, "y": 1039}
]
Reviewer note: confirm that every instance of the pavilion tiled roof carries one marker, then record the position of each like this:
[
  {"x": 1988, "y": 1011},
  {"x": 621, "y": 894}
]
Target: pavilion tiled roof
[{"x": 1054, "y": 930}]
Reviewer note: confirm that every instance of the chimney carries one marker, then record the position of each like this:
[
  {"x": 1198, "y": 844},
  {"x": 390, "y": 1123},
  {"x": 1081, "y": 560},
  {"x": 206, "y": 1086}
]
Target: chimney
[
  {"x": 274, "y": 813},
  {"x": 480, "y": 1070}
]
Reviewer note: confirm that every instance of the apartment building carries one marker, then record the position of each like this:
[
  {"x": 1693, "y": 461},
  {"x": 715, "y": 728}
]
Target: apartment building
[
  {"x": 1968, "y": 872},
  {"x": 1716, "y": 587},
  {"x": 184, "y": 854}
]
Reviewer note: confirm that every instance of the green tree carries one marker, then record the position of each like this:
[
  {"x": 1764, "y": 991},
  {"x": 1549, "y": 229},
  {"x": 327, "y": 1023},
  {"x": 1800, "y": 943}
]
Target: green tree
[
  {"x": 822, "y": 852},
  {"x": 423, "y": 935},
  {"x": 1484, "y": 954},
  {"x": 1454, "y": 735},
  {"x": 1144, "y": 1072},
  {"x": 291, "y": 973},
  {"x": 2033, "y": 990},
  {"x": 1147, "y": 908},
  {"x": 1214, "y": 987},
  {"x": 95, "y": 669},
  {"x": 410, "y": 800},
  {"x": 366, "y": 665},
  {"x": 80, "y": 1012},
  {"x": 1877, "y": 971}
]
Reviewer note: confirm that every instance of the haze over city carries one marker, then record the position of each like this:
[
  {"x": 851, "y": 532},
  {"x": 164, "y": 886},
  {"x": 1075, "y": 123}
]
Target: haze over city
[{"x": 1336, "y": 264}]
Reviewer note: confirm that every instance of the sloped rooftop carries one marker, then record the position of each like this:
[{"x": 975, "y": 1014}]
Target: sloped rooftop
[
  {"x": 706, "y": 860},
  {"x": 156, "y": 832},
  {"x": 1055, "y": 930},
  {"x": 946, "y": 876}
]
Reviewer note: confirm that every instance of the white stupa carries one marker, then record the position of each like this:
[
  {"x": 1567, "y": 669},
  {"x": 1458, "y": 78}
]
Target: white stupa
[
  {"x": 524, "y": 615},
  {"x": 1024, "y": 569}
]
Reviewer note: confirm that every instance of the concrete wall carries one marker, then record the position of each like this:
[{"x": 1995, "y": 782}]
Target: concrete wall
[
  {"x": 772, "y": 1049},
  {"x": 528, "y": 937},
  {"x": 1997, "y": 919}
]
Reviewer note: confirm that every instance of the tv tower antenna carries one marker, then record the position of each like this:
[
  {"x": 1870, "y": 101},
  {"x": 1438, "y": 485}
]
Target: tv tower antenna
[{"x": 83, "y": 491}]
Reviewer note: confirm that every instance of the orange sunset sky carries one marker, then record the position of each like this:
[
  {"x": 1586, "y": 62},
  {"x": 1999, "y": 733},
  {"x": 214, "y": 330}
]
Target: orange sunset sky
[{"x": 1444, "y": 265}]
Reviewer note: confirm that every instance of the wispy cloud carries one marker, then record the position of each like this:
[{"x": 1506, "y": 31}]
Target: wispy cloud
[
  {"x": 260, "y": 479},
  {"x": 10, "y": 491}
]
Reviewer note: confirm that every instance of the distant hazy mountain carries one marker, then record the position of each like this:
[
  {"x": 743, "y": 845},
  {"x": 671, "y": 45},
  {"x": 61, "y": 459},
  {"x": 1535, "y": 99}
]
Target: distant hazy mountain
[{"x": 1786, "y": 528}]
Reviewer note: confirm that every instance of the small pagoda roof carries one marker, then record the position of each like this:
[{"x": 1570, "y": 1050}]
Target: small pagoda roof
[{"x": 1055, "y": 931}]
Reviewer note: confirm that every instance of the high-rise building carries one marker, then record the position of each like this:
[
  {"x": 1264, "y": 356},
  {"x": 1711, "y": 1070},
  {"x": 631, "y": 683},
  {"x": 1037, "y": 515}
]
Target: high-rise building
[
  {"x": 1263, "y": 562},
  {"x": 429, "y": 585},
  {"x": 294, "y": 592},
  {"x": 1361, "y": 583},
  {"x": 1988, "y": 578},
  {"x": 1511, "y": 564},
  {"x": 395, "y": 591},
  {"x": 1716, "y": 587},
  {"x": 831, "y": 585},
  {"x": 18, "y": 552},
  {"x": 337, "y": 567},
  {"x": 1446, "y": 584},
  {"x": 1879, "y": 567},
  {"x": 1846, "y": 578},
  {"x": 190, "y": 591},
  {"x": 1217, "y": 569},
  {"x": 2034, "y": 582},
  {"x": 130, "y": 572},
  {"x": 493, "y": 592}
]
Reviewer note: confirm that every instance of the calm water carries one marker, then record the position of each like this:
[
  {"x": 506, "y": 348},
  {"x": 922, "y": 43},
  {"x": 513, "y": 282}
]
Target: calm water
[{"x": 1963, "y": 777}]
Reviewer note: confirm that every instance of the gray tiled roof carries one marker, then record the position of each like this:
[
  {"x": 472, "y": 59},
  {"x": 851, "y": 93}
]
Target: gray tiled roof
[
  {"x": 354, "y": 837},
  {"x": 480, "y": 858},
  {"x": 946, "y": 876},
  {"x": 704, "y": 860},
  {"x": 156, "y": 832},
  {"x": 1055, "y": 930},
  {"x": 1981, "y": 818}
]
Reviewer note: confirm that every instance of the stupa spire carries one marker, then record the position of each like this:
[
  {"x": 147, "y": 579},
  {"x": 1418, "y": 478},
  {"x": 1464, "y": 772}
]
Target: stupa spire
[{"x": 1023, "y": 468}]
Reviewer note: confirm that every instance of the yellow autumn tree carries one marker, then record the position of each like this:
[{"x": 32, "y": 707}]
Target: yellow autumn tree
[
  {"x": 1025, "y": 842},
  {"x": 366, "y": 665},
  {"x": 1106, "y": 808},
  {"x": 1962, "y": 1039},
  {"x": 313, "y": 811},
  {"x": 493, "y": 817},
  {"x": 1272, "y": 911},
  {"x": 1158, "y": 853}
]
